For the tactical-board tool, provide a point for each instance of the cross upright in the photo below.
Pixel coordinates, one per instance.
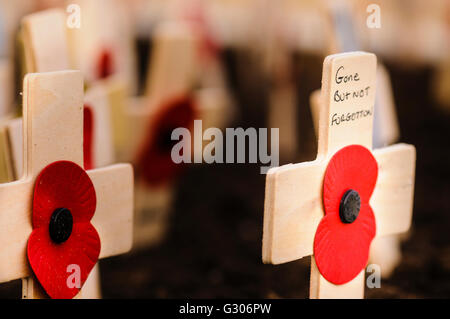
(333, 207)
(53, 138)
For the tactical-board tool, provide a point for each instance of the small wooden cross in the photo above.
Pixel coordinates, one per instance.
(385, 251)
(53, 131)
(172, 78)
(46, 46)
(103, 46)
(294, 205)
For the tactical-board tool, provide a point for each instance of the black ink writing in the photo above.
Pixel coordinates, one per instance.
(337, 119)
(344, 96)
(345, 77)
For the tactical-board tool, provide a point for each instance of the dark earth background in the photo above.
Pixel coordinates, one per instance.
(213, 248)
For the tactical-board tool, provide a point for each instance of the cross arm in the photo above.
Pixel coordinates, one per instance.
(113, 217)
(45, 41)
(15, 228)
(292, 211)
(392, 199)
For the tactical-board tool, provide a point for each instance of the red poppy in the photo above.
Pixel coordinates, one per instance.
(64, 246)
(88, 137)
(105, 64)
(344, 235)
(154, 162)
(195, 14)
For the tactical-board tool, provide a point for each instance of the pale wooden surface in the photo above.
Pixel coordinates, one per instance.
(386, 127)
(385, 116)
(283, 115)
(97, 97)
(6, 86)
(15, 137)
(290, 220)
(334, 137)
(106, 25)
(53, 118)
(172, 70)
(320, 288)
(392, 199)
(45, 41)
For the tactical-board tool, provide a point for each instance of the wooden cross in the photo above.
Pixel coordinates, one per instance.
(294, 205)
(52, 54)
(283, 99)
(103, 45)
(385, 251)
(53, 131)
(172, 73)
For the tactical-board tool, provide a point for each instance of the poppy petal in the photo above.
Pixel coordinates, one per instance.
(342, 250)
(352, 167)
(63, 184)
(154, 162)
(105, 64)
(88, 138)
(61, 267)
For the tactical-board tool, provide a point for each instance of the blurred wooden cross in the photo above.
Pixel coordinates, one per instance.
(333, 207)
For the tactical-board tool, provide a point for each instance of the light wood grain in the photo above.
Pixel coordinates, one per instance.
(97, 97)
(6, 86)
(392, 199)
(320, 288)
(333, 137)
(173, 64)
(45, 41)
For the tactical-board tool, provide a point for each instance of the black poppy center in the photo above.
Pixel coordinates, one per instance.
(61, 224)
(350, 206)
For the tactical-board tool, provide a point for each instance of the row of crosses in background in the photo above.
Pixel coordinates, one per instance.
(38, 60)
(51, 53)
(140, 125)
(334, 207)
(176, 92)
